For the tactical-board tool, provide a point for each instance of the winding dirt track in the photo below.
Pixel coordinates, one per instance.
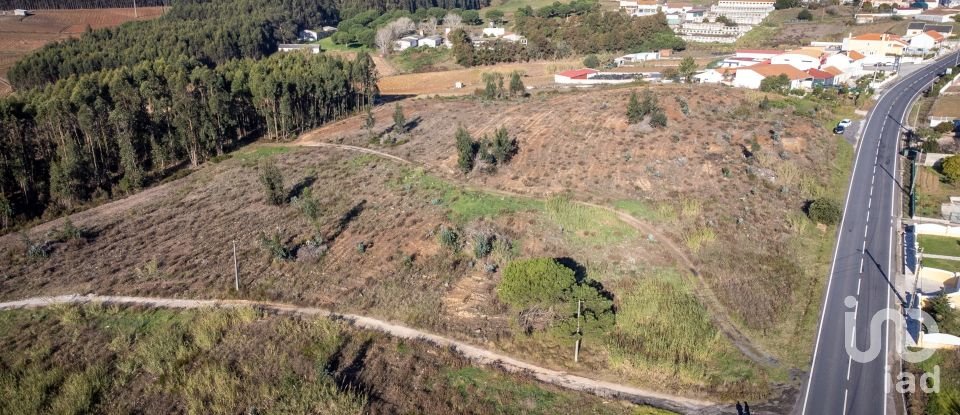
(703, 291)
(475, 354)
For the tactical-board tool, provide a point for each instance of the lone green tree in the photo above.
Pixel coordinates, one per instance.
(825, 210)
(272, 180)
(399, 120)
(531, 282)
(466, 150)
(517, 89)
(591, 61)
(805, 15)
(687, 68)
(634, 110)
(494, 15)
(950, 167)
(504, 147)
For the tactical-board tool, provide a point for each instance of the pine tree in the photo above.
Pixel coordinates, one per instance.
(399, 120)
(466, 150)
(635, 112)
(368, 121)
(517, 89)
(503, 146)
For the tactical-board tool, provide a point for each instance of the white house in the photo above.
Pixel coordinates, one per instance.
(22, 12)
(494, 31)
(406, 42)
(431, 41)
(515, 38)
(694, 15)
(937, 16)
(801, 59)
(710, 76)
(756, 54)
(307, 35)
(926, 41)
(299, 47)
(636, 57)
(752, 76)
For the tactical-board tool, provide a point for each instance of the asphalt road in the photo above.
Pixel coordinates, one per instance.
(863, 265)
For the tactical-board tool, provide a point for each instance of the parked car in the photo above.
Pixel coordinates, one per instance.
(844, 123)
(839, 129)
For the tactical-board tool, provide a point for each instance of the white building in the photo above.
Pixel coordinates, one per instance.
(515, 38)
(746, 12)
(925, 42)
(431, 41)
(711, 76)
(710, 32)
(636, 57)
(494, 31)
(406, 42)
(752, 76)
(22, 12)
(801, 59)
(298, 47)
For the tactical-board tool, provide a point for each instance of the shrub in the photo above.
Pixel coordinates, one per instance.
(538, 281)
(272, 181)
(591, 61)
(275, 247)
(825, 211)
(804, 15)
(449, 238)
(399, 120)
(658, 120)
(944, 127)
(309, 205)
(517, 89)
(482, 245)
(684, 107)
(634, 111)
(950, 167)
(504, 147)
(947, 318)
(69, 231)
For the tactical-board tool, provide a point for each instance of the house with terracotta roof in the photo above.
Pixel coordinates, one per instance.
(752, 76)
(926, 41)
(802, 59)
(876, 47)
(820, 78)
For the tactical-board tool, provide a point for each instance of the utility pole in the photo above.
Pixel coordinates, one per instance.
(135, 15)
(576, 349)
(236, 268)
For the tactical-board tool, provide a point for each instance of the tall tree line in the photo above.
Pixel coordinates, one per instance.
(109, 131)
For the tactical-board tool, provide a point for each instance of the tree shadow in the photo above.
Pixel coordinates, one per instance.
(386, 99)
(345, 220)
(580, 273)
(298, 188)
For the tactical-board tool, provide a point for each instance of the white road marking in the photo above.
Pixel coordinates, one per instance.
(845, 401)
(859, 280)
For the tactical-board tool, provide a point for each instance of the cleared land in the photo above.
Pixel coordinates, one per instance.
(720, 197)
(108, 359)
(933, 189)
(21, 35)
(536, 74)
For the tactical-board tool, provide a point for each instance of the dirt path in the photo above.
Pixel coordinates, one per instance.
(703, 292)
(478, 355)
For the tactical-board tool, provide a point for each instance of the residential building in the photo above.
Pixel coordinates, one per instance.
(917, 28)
(820, 78)
(430, 41)
(802, 59)
(925, 42)
(752, 76)
(938, 15)
(875, 44)
(640, 7)
(494, 31)
(695, 15)
(744, 12)
(406, 42)
(714, 76)
(567, 77)
(299, 47)
(636, 57)
(22, 12)
(756, 54)
(711, 32)
(513, 37)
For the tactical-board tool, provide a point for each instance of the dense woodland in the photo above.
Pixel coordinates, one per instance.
(97, 134)
(562, 30)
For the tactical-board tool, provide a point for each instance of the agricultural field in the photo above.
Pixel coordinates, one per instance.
(19, 35)
(536, 74)
(671, 219)
(108, 359)
(933, 189)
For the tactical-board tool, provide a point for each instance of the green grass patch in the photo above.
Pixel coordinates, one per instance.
(465, 205)
(661, 325)
(944, 264)
(940, 245)
(587, 224)
(420, 59)
(254, 154)
(327, 44)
